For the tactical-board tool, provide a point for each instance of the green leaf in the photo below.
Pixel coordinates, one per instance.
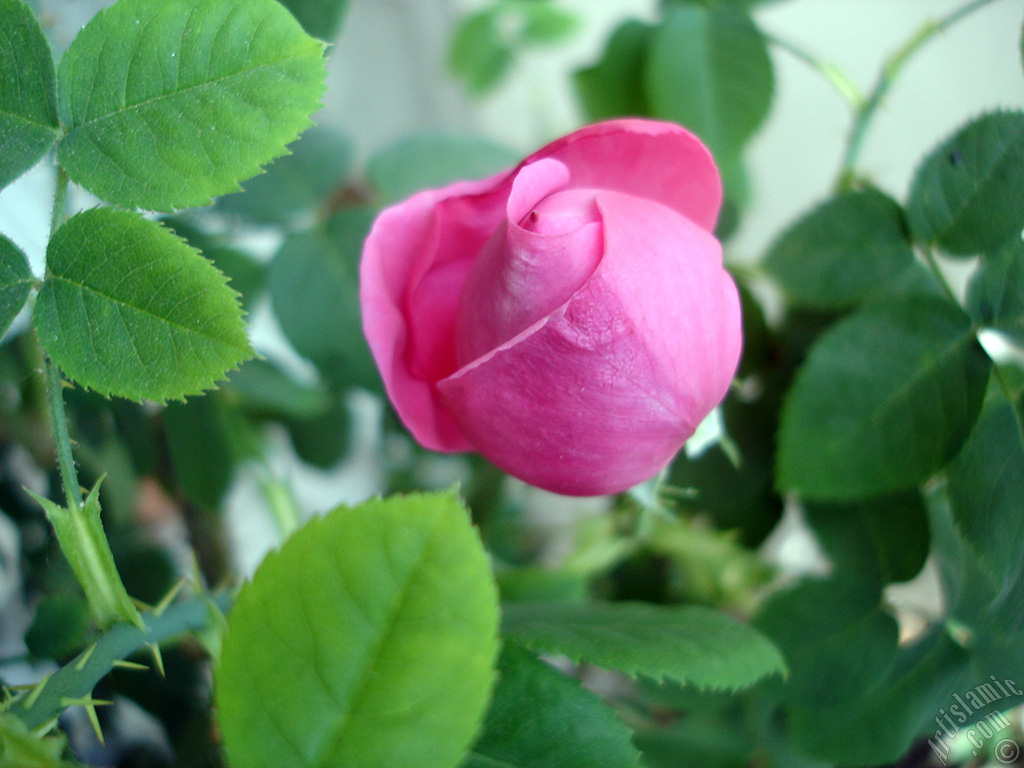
(479, 53)
(59, 629)
(369, 639)
(320, 18)
(266, 390)
(314, 286)
(541, 718)
(296, 184)
(28, 97)
(21, 749)
(995, 295)
(201, 452)
(15, 282)
(986, 487)
(839, 644)
(170, 104)
(609, 88)
(545, 22)
(841, 252)
(874, 541)
(426, 161)
(708, 69)
(900, 708)
(690, 644)
(965, 196)
(886, 397)
(128, 309)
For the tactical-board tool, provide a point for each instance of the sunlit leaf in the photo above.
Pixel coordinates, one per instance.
(885, 398)
(369, 639)
(28, 97)
(169, 104)
(966, 195)
(128, 309)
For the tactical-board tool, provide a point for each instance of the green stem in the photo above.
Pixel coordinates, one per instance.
(933, 264)
(78, 677)
(59, 424)
(846, 88)
(890, 70)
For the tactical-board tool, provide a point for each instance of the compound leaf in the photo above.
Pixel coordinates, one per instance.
(28, 96)
(995, 295)
(689, 644)
(15, 282)
(129, 309)
(170, 104)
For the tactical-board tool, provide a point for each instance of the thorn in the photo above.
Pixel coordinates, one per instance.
(123, 664)
(139, 604)
(168, 598)
(80, 664)
(158, 658)
(90, 704)
(33, 697)
(45, 728)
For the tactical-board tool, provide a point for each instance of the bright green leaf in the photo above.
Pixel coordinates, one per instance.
(426, 161)
(841, 252)
(689, 644)
(886, 398)
(169, 104)
(541, 718)
(708, 69)
(995, 295)
(314, 286)
(545, 22)
(986, 487)
(320, 18)
(21, 749)
(369, 639)
(479, 53)
(15, 282)
(875, 541)
(966, 195)
(28, 98)
(295, 184)
(128, 309)
(609, 88)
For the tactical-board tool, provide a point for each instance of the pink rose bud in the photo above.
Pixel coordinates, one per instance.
(569, 319)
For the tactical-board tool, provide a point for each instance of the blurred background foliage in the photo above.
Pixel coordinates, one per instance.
(884, 603)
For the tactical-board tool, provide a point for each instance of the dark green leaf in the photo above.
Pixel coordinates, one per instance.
(817, 625)
(708, 69)
(841, 252)
(315, 290)
(15, 282)
(876, 541)
(878, 727)
(369, 639)
(266, 390)
(28, 97)
(320, 18)
(479, 53)
(322, 440)
(610, 88)
(170, 104)
(886, 397)
(986, 487)
(689, 644)
(295, 184)
(200, 450)
(540, 718)
(128, 309)
(995, 295)
(966, 196)
(59, 629)
(426, 161)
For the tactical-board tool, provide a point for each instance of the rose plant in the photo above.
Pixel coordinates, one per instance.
(569, 319)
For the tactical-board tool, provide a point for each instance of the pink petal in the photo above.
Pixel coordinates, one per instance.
(602, 393)
(648, 158)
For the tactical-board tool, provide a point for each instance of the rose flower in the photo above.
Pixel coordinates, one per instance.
(569, 319)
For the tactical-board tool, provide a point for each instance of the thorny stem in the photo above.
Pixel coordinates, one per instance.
(846, 88)
(886, 78)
